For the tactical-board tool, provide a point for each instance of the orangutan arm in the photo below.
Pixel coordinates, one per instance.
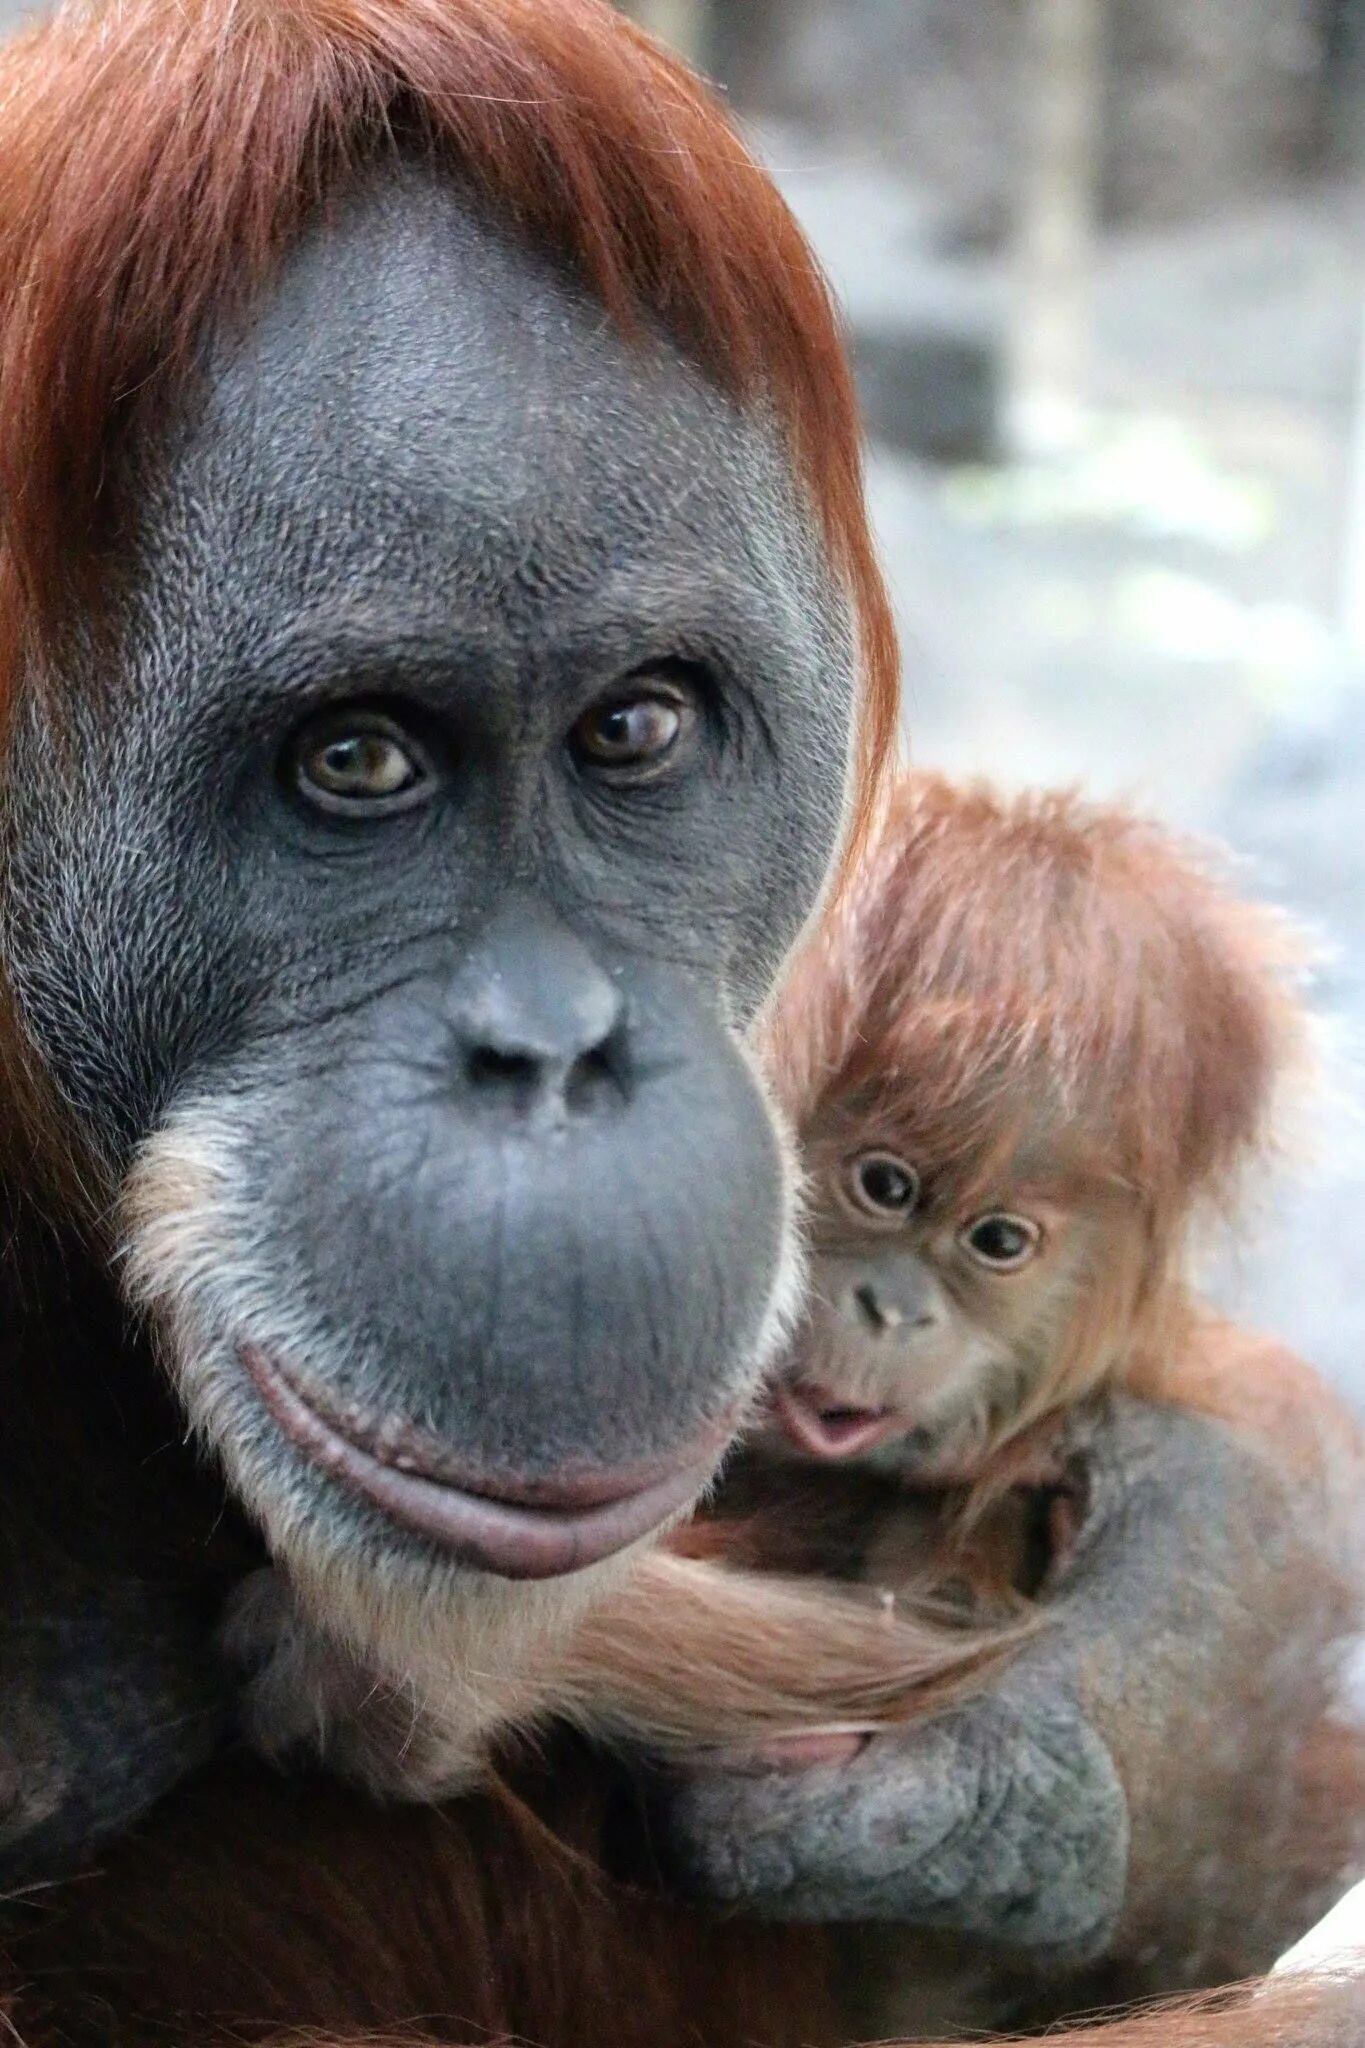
(1156, 1779)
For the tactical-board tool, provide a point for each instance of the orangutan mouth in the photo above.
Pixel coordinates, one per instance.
(823, 1425)
(541, 1529)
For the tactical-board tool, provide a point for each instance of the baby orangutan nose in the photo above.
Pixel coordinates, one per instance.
(879, 1312)
(890, 1299)
(540, 1028)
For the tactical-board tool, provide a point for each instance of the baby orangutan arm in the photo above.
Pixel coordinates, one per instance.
(1155, 1780)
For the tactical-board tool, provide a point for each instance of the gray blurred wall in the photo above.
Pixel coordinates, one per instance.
(1209, 100)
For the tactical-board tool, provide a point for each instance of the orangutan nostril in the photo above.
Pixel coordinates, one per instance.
(872, 1311)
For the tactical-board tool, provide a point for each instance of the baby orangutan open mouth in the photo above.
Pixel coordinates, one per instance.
(820, 1422)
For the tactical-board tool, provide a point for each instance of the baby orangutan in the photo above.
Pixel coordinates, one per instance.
(1035, 1048)
(1039, 1047)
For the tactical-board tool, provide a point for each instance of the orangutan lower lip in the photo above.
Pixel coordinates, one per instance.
(534, 1530)
(823, 1426)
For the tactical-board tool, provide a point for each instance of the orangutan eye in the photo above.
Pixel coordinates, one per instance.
(1002, 1242)
(360, 764)
(883, 1186)
(633, 734)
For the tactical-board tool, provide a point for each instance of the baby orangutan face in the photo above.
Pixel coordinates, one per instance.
(932, 1312)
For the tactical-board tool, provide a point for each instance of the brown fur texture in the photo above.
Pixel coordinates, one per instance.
(255, 1909)
(681, 1655)
(691, 1653)
(1004, 964)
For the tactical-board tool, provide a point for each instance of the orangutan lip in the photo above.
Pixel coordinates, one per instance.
(823, 1426)
(540, 1529)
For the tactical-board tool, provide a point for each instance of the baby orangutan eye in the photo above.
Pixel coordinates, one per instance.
(1002, 1242)
(882, 1186)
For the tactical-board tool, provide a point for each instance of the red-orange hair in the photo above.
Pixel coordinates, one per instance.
(159, 154)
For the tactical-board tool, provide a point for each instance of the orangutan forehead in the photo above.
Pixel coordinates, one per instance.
(426, 414)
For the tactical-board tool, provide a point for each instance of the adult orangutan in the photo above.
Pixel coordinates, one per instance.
(442, 663)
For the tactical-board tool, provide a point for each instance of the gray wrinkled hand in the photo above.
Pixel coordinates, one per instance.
(1004, 1818)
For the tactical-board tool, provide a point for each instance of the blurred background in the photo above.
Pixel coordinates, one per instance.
(1103, 263)
(1104, 269)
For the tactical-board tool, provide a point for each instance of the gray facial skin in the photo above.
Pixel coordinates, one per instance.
(480, 1172)
(428, 477)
